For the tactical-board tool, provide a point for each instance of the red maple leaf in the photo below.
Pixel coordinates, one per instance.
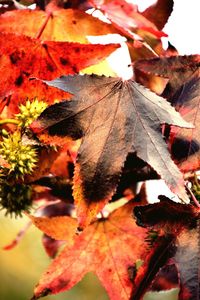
(108, 247)
(45, 60)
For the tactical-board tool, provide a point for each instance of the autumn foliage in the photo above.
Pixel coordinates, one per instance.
(77, 141)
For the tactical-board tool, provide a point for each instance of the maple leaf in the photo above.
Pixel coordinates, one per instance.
(108, 247)
(143, 37)
(159, 12)
(114, 118)
(181, 222)
(45, 60)
(72, 25)
(54, 24)
(125, 17)
(57, 24)
(182, 91)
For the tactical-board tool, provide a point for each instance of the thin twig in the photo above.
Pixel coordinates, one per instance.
(9, 121)
(18, 238)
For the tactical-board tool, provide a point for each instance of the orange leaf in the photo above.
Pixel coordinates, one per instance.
(108, 247)
(45, 60)
(63, 24)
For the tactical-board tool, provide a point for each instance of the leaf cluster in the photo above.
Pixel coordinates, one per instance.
(76, 141)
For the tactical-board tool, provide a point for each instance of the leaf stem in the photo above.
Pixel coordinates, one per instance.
(196, 202)
(9, 121)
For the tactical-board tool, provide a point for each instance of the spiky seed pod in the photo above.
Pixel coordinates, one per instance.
(30, 111)
(15, 198)
(21, 158)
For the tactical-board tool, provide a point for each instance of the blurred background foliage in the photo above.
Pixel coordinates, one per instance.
(21, 267)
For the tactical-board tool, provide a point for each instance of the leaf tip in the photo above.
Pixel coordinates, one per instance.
(34, 298)
(43, 293)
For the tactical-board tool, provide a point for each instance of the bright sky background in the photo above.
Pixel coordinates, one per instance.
(183, 26)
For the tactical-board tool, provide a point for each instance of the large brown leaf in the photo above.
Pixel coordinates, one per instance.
(114, 118)
(22, 57)
(108, 247)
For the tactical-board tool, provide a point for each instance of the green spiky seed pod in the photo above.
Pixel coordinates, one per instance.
(21, 158)
(15, 198)
(30, 111)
